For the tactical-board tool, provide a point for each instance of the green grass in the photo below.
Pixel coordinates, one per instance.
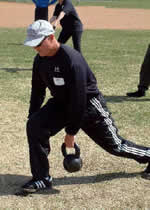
(115, 52)
(105, 182)
(141, 4)
(144, 4)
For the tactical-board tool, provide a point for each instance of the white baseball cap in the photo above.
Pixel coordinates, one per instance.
(37, 31)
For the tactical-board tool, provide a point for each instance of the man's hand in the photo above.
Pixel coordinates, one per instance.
(69, 140)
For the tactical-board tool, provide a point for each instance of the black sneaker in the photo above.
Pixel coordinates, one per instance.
(138, 93)
(146, 173)
(34, 185)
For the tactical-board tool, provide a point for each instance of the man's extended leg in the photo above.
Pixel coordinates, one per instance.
(99, 126)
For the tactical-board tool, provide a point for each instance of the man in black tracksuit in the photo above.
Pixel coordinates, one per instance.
(144, 81)
(70, 22)
(76, 104)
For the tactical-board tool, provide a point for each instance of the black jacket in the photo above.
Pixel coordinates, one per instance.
(70, 81)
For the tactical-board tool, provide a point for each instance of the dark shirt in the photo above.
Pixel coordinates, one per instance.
(71, 19)
(70, 81)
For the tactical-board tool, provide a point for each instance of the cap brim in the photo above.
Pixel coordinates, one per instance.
(33, 42)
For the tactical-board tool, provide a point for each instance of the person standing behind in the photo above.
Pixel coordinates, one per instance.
(41, 10)
(144, 80)
(66, 14)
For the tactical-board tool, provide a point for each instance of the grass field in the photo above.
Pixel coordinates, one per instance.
(105, 182)
(142, 4)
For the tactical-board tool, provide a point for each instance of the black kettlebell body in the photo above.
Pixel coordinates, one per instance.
(72, 162)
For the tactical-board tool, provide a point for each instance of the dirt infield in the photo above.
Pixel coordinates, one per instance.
(21, 15)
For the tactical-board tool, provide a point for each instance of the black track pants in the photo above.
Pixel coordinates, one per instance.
(41, 125)
(76, 38)
(97, 124)
(100, 127)
(145, 71)
(41, 13)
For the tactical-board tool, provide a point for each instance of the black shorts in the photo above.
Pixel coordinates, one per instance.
(41, 13)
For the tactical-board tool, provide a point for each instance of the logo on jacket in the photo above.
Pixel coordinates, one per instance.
(56, 69)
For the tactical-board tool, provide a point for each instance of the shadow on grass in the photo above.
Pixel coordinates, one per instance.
(10, 183)
(93, 179)
(120, 99)
(19, 44)
(13, 70)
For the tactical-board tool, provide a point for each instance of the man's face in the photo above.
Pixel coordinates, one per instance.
(45, 47)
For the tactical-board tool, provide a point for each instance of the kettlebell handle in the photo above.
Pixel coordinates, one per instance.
(76, 147)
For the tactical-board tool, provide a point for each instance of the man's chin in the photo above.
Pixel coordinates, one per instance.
(41, 55)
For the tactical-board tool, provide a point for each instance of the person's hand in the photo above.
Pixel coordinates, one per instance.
(69, 140)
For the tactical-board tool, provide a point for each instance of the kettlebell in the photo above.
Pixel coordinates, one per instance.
(72, 162)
